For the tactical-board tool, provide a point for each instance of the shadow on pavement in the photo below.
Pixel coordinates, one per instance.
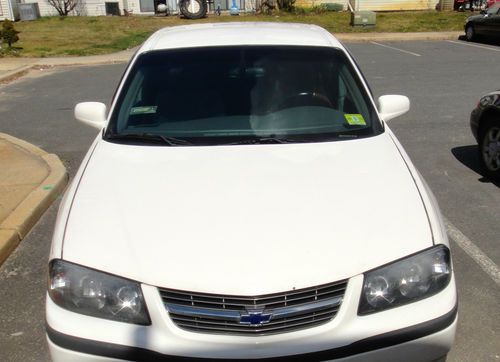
(468, 156)
(482, 40)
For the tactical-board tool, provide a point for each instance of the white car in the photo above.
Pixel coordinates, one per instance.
(246, 200)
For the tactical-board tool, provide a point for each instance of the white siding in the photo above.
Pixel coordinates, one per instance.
(135, 7)
(85, 8)
(96, 7)
(91, 8)
(394, 5)
(45, 8)
(310, 3)
(3, 9)
(5, 14)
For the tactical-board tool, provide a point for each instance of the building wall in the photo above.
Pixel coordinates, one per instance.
(135, 7)
(3, 9)
(96, 7)
(376, 5)
(91, 8)
(5, 14)
(85, 8)
(311, 3)
(45, 8)
(394, 5)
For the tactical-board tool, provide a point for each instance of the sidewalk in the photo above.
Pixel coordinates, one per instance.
(11, 68)
(30, 180)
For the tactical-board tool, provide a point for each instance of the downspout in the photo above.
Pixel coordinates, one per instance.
(355, 7)
(349, 5)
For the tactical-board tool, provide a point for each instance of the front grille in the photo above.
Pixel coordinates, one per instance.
(259, 315)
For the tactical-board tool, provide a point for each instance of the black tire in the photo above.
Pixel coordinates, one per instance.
(489, 147)
(470, 32)
(193, 9)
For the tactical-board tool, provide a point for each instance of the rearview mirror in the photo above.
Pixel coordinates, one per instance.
(91, 113)
(392, 106)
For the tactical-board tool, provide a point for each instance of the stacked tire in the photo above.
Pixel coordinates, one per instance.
(193, 9)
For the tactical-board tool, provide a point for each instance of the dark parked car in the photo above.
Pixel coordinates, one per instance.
(485, 125)
(485, 24)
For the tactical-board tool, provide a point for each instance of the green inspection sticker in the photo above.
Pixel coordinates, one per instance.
(143, 110)
(355, 119)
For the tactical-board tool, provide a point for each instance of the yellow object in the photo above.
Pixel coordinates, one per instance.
(355, 119)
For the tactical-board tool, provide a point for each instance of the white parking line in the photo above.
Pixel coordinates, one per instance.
(474, 45)
(473, 251)
(400, 50)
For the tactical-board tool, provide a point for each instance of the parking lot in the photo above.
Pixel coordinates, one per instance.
(443, 79)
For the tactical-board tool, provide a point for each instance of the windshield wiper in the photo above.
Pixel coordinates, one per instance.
(149, 137)
(266, 140)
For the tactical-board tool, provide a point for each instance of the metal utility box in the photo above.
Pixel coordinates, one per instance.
(363, 18)
(29, 11)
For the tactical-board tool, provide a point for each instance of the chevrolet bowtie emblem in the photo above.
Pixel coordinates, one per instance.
(255, 317)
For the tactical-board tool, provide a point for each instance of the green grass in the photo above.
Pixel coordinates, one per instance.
(78, 36)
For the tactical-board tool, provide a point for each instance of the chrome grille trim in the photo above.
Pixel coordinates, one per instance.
(281, 312)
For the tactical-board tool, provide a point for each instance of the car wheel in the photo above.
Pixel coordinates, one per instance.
(489, 148)
(193, 9)
(470, 33)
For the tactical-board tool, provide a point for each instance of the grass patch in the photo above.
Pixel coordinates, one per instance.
(78, 36)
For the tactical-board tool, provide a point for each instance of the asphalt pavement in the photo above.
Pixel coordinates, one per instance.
(443, 79)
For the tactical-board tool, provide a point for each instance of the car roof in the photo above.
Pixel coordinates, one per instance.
(239, 33)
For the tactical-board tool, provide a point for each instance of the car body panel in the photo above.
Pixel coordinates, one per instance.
(212, 209)
(346, 328)
(253, 33)
(489, 102)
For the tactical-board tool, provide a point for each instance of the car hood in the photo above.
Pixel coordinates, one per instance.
(245, 220)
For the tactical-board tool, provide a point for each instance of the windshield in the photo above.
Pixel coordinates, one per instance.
(493, 10)
(223, 95)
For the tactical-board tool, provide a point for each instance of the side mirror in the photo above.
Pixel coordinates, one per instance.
(91, 113)
(392, 106)
(482, 12)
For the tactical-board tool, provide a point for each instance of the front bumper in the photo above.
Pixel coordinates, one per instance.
(474, 122)
(419, 331)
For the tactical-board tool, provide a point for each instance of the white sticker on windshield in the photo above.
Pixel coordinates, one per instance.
(143, 110)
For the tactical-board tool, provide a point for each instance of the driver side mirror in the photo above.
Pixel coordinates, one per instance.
(91, 113)
(392, 106)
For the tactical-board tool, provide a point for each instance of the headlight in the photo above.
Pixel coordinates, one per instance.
(406, 281)
(96, 294)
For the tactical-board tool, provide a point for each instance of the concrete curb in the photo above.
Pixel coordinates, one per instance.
(20, 221)
(367, 37)
(16, 73)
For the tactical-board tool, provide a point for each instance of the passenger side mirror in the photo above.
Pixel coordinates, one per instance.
(392, 106)
(91, 113)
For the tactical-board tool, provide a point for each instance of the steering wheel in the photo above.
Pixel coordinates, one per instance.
(305, 99)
